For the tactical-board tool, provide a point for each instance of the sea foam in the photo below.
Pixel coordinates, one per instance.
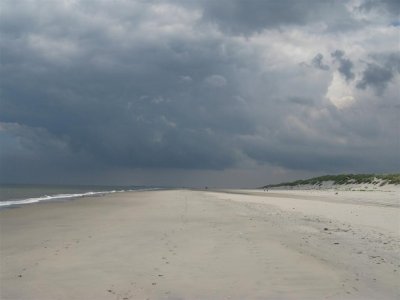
(54, 197)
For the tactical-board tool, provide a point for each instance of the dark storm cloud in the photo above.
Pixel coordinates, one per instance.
(89, 85)
(379, 75)
(376, 77)
(246, 17)
(317, 62)
(124, 104)
(314, 150)
(390, 6)
(253, 15)
(345, 64)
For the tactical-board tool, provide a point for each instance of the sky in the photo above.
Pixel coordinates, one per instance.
(227, 93)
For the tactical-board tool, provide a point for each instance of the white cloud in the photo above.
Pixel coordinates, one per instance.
(340, 93)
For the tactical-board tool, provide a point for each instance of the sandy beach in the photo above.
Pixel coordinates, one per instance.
(187, 244)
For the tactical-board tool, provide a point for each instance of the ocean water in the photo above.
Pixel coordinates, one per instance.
(17, 194)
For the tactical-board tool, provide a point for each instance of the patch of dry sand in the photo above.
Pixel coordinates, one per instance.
(183, 244)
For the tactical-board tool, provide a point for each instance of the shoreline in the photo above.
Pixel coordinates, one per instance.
(193, 244)
(12, 203)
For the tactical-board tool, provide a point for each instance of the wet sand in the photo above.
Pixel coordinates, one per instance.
(182, 244)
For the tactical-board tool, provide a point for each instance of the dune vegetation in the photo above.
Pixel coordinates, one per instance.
(380, 179)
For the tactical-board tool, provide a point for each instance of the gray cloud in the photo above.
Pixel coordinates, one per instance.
(378, 75)
(390, 6)
(216, 80)
(160, 123)
(96, 87)
(317, 62)
(345, 64)
(246, 17)
(375, 76)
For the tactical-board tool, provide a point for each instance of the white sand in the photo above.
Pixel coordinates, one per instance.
(204, 245)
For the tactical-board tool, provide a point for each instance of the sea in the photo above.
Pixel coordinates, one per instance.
(18, 194)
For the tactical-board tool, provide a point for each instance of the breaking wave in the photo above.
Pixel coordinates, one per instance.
(55, 197)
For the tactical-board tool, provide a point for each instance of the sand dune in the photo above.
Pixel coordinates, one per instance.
(183, 244)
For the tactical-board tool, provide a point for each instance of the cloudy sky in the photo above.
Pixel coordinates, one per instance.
(185, 93)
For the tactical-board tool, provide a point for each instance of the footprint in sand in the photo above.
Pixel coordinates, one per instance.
(111, 291)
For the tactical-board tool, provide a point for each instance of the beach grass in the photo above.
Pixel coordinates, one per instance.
(341, 179)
